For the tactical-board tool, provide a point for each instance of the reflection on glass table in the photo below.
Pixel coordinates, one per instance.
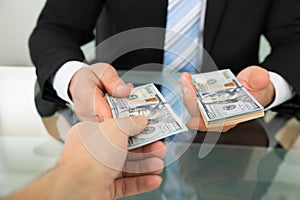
(240, 166)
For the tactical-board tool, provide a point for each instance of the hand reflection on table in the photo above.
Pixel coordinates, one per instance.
(220, 175)
(236, 168)
(227, 172)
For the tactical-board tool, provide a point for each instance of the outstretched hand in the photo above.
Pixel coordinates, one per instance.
(88, 87)
(255, 79)
(100, 153)
(95, 164)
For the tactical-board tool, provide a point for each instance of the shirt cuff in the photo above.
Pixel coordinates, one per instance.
(283, 90)
(63, 77)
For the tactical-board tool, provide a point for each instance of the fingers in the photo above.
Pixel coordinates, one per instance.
(101, 106)
(156, 149)
(191, 104)
(189, 95)
(186, 77)
(145, 160)
(111, 81)
(83, 88)
(198, 123)
(88, 87)
(146, 166)
(136, 185)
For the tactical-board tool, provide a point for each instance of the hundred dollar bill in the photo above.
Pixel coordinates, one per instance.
(146, 100)
(223, 100)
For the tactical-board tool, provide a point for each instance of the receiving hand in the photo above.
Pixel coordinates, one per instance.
(88, 87)
(95, 164)
(255, 79)
(100, 152)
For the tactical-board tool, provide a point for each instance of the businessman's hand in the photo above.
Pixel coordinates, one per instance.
(255, 79)
(95, 164)
(88, 87)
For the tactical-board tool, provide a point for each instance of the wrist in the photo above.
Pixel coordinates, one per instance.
(63, 76)
(270, 95)
(283, 91)
(94, 177)
(71, 86)
(42, 189)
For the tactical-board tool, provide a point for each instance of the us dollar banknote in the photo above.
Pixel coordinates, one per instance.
(223, 100)
(146, 100)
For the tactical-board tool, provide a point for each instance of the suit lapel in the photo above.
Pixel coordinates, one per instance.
(214, 13)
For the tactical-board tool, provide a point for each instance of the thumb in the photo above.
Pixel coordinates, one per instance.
(107, 141)
(117, 131)
(127, 126)
(254, 78)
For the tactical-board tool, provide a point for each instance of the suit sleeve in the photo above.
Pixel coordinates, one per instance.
(63, 26)
(283, 32)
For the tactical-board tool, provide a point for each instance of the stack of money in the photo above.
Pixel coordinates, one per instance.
(147, 100)
(223, 100)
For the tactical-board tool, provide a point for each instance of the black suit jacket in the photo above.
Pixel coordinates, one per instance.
(231, 34)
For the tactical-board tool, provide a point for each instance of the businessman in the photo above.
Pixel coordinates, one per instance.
(83, 173)
(228, 29)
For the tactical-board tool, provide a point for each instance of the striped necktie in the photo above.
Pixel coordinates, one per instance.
(182, 35)
(181, 44)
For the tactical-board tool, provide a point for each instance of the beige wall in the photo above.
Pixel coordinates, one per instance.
(17, 19)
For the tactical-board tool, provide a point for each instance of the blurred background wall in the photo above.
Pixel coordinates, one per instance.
(17, 20)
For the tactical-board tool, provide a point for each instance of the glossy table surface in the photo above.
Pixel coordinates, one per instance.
(241, 165)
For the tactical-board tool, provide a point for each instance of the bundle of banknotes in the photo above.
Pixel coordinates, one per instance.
(223, 100)
(147, 100)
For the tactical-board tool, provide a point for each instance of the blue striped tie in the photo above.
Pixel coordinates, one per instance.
(183, 18)
(181, 42)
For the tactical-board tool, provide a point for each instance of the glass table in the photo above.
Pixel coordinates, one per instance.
(242, 165)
